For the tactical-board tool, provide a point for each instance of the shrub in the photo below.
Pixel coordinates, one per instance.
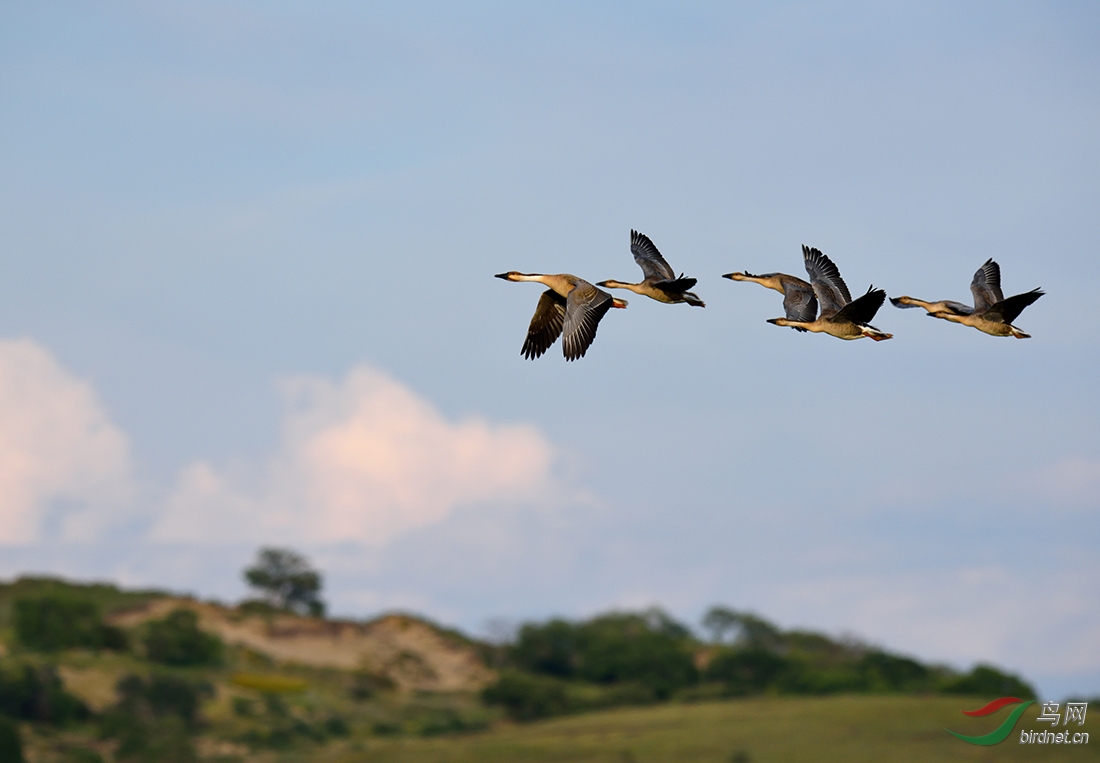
(53, 622)
(153, 718)
(647, 649)
(177, 640)
(528, 697)
(745, 671)
(985, 680)
(11, 743)
(35, 693)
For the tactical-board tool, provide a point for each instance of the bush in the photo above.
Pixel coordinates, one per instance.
(987, 681)
(528, 697)
(647, 649)
(53, 622)
(35, 693)
(745, 671)
(11, 743)
(177, 640)
(153, 718)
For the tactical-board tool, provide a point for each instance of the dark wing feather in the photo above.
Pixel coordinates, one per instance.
(545, 326)
(1010, 309)
(986, 286)
(651, 262)
(861, 311)
(677, 285)
(825, 278)
(584, 308)
(799, 301)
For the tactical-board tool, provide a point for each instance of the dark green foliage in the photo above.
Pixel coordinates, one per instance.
(80, 755)
(11, 743)
(892, 673)
(987, 681)
(741, 628)
(745, 671)
(280, 728)
(552, 648)
(154, 717)
(106, 597)
(53, 622)
(287, 581)
(528, 697)
(648, 649)
(35, 693)
(177, 640)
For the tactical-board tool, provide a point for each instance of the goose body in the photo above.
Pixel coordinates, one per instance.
(660, 281)
(570, 306)
(841, 316)
(799, 301)
(991, 314)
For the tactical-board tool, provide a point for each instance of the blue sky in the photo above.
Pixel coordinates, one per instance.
(246, 297)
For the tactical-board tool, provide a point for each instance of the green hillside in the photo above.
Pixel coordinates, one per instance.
(91, 673)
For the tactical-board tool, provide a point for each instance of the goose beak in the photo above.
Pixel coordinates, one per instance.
(616, 302)
(501, 275)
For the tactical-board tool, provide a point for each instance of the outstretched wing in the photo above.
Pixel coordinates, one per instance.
(1010, 309)
(861, 311)
(584, 308)
(799, 300)
(986, 286)
(651, 262)
(825, 279)
(545, 326)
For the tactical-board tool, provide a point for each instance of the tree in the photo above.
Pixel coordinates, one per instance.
(286, 581)
(742, 628)
(177, 640)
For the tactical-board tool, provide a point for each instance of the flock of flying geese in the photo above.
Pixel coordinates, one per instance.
(572, 307)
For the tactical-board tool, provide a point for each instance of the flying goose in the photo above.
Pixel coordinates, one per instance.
(660, 282)
(992, 313)
(571, 306)
(798, 296)
(841, 316)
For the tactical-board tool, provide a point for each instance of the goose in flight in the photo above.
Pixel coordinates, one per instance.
(992, 313)
(799, 301)
(571, 306)
(660, 282)
(841, 316)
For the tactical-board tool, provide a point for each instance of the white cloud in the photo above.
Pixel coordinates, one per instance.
(61, 459)
(364, 460)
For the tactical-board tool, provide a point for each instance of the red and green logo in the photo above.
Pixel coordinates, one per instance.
(1000, 733)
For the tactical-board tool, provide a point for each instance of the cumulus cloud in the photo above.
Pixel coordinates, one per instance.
(64, 468)
(362, 460)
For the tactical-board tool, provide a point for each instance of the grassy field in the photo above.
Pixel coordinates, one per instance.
(847, 728)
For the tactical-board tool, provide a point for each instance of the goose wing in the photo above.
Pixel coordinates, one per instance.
(825, 279)
(799, 300)
(677, 285)
(986, 286)
(651, 262)
(1009, 309)
(861, 311)
(545, 326)
(584, 308)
